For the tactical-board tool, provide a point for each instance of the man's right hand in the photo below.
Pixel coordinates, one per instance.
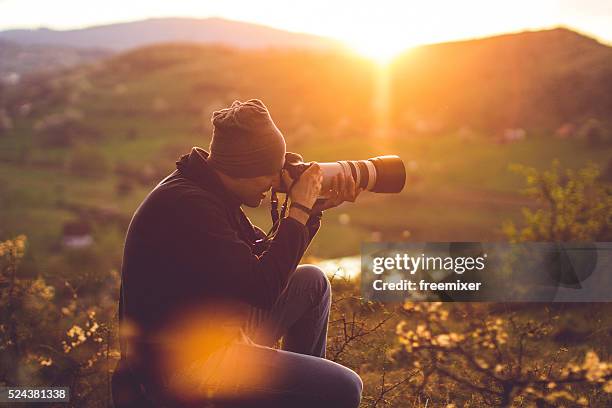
(308, 188)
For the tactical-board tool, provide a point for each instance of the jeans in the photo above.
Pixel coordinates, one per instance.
(250, 373)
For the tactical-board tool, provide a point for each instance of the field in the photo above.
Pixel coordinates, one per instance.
(86, 145)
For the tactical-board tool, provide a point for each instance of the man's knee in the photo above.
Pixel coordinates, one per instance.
(312, 277)
(348, 388)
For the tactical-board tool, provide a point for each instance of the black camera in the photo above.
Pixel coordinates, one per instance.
(382, 174)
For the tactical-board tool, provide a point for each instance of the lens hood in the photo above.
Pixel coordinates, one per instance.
(390, 174)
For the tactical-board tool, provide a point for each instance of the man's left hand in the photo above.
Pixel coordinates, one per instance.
(342, 189)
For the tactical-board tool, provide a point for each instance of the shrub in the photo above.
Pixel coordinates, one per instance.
(51, 336)
(89, 162)
(494, 361)
(63, 129)
(594, 133)
(574, 206)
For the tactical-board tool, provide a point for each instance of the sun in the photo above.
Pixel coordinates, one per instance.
(382, 51)
(381, 43)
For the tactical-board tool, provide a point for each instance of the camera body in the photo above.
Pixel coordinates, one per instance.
(381, 174)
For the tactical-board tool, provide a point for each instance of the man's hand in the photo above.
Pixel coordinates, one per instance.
(342, 189)
(305, 191)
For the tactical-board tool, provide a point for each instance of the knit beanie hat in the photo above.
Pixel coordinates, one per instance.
(246, 142)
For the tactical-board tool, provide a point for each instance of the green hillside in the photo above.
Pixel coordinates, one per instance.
(86, 145)
(81, 148)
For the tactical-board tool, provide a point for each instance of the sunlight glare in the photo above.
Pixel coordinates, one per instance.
(382, 51)
(380, 42)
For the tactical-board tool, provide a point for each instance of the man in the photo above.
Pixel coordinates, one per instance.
(205, 294)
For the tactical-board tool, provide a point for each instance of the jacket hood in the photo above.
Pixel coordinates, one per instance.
(195, 167)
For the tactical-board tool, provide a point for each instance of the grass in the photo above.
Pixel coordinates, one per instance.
(457, 188)
(465, 195)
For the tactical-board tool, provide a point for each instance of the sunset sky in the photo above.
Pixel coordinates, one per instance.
(380, 27)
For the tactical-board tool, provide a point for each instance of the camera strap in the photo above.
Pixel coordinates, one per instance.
(274, 213)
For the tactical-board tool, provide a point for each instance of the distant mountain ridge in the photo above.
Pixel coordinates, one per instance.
(124, 36)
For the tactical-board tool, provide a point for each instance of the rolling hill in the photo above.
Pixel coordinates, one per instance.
(89, 142)
(539, 79)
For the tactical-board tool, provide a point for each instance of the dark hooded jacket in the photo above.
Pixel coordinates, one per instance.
(190, 244)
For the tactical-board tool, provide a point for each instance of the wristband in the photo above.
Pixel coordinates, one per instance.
(301, 208)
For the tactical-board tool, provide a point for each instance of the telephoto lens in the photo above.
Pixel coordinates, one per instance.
(381, 174)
